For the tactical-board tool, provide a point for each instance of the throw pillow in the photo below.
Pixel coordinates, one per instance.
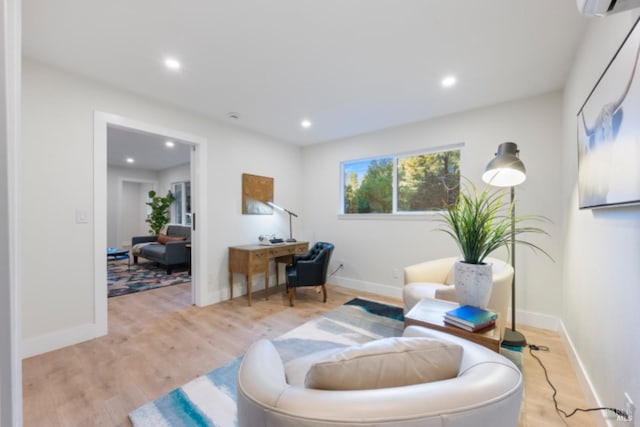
(388, 362)
(163, 239)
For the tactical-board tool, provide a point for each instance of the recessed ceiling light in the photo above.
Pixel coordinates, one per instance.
(305, 124)
(172, 63)
(130, 160)
(169, 144)
(233, 115)
(448, 81)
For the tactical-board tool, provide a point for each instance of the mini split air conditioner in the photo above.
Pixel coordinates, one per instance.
(605, 7)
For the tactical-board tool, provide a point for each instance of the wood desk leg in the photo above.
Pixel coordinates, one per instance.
(266, 285)
(249, 288)
(230, 284)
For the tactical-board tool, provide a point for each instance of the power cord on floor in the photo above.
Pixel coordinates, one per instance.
(619, 412)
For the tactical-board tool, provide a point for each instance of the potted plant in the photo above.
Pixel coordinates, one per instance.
(159, 216)
(480, 223)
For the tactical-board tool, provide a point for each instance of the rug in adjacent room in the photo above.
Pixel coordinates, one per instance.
(210, 400)
(123, 280)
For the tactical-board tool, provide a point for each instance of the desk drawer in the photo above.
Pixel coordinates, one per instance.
(288, 250)
(259, 260)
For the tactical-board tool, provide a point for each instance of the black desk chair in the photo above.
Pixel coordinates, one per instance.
(310, 269)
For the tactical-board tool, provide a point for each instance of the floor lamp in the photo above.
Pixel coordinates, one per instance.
(291, 214)
(507, 170)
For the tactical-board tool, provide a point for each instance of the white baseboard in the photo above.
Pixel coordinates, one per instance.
(537, 320)
(593, 399)
(376, 288)
(58, 339)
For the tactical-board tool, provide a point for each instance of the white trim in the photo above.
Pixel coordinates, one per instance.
(200, 271)
(200, 247)
(593, 399)
(360, 285)
(59, 339)
(10, 294)
(537, 320)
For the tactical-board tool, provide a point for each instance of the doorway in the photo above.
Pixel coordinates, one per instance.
(102, 122)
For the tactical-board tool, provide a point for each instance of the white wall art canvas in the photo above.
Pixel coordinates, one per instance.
(609, 132)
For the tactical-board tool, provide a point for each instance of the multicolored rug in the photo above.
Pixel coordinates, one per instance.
(122, 280)
(210, 400)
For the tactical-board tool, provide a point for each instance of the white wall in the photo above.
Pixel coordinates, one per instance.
(119, 211)
(170, 176)
(372, 248)
(132, 212)
(56, 174)
(601, 275)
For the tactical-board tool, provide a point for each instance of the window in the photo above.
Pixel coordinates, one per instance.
(411, 183)
(182, 204)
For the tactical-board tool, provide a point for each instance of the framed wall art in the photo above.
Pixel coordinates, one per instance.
(256, 192)
(609, 132)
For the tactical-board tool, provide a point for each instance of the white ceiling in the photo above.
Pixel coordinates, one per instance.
(148, 150)
(349, 66)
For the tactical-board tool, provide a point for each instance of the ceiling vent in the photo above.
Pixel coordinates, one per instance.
(605, 7)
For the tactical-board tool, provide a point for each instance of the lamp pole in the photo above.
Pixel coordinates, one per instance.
(511, 336)
(291, 214)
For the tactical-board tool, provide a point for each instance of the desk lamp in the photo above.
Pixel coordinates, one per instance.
(291, 214)
(507, 170)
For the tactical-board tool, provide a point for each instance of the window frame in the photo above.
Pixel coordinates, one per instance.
(394, 214)
(185, 219)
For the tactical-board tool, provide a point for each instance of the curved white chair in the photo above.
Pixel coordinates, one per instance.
(486, 392)
(434, 279)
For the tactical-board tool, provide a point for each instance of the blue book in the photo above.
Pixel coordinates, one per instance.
(471, 316)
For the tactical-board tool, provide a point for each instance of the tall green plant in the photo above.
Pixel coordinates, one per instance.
(159, 216)
(480, 223)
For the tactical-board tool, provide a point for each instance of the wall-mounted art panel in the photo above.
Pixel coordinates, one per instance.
(256, 192)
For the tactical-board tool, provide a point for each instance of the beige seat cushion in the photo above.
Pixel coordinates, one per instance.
(388, 362)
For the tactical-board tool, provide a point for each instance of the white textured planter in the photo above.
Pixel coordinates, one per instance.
(473, 283)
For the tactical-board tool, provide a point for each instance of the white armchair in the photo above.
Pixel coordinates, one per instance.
(487, 391)
(434, 279)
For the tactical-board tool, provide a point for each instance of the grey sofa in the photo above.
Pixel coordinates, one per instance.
(168, 254)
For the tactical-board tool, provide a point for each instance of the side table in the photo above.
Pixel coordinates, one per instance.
(429, 313)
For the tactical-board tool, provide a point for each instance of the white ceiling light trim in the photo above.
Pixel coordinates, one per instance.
(305, 123)
(169, 144)
(130, 160)
(172, 64)
(449, 81)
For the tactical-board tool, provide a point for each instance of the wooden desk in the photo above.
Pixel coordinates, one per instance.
(429, 313)
(254, 259)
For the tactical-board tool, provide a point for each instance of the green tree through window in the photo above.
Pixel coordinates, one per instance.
(428, 182)
(368, 186)
(425, 182)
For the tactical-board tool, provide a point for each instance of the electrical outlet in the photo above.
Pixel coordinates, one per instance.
(629, 408)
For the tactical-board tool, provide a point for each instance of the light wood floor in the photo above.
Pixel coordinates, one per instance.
(158, 341)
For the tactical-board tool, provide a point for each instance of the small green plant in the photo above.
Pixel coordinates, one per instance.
(480, 223)
(159, 216)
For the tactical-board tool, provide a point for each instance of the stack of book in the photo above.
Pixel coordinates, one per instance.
(470, 318)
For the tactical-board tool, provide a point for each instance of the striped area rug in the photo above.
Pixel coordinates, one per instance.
(210, 400)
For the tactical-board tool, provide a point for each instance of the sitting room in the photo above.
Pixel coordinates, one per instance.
(369, 119)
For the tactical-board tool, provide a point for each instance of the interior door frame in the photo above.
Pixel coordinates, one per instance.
(199, 249)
